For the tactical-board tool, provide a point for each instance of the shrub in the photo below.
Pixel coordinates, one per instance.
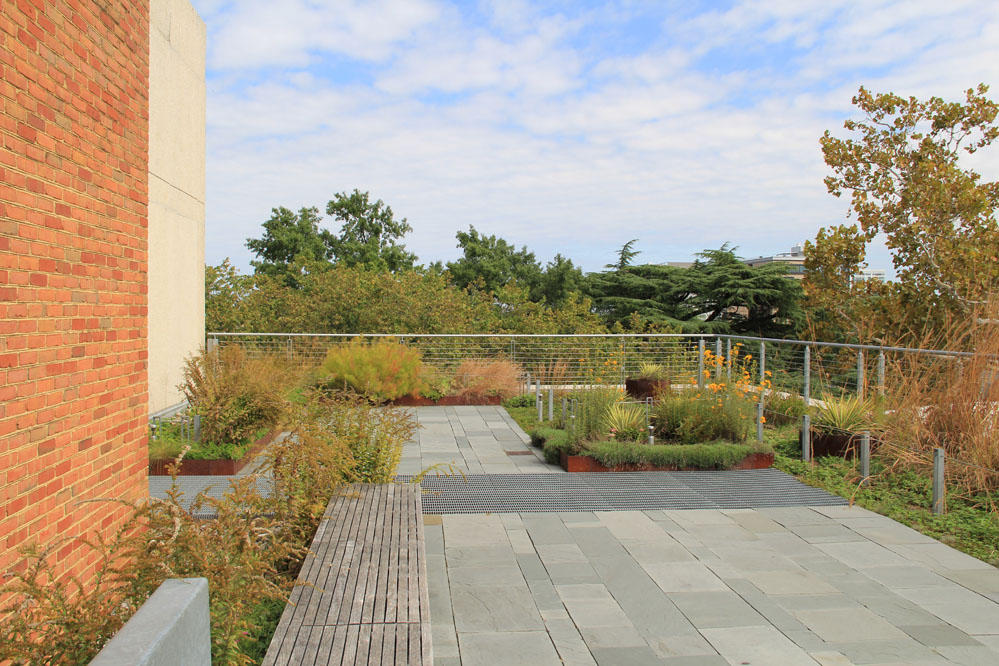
(592, 406)
(692, 417)
(477, 378)
(785, 408)
(652, 372)
(716, 455)
(848, 414)
(379, 371)
(249, 553)
(625, 422)
(374, 436)
(552, 441)
(436, 383)
(234, 394)
(522, 400)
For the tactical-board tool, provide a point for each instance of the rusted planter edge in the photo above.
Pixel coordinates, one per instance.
(445, 401)
(214, 467)
(755, 460)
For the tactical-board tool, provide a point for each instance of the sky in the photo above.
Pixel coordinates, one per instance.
(568, 127)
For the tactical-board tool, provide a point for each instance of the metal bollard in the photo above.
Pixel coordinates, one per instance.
(806, 438)
(938, 482)
(865, 457)
(197, 427)
(759, 420)
(551, 404)
(718, 353)
(564, 401)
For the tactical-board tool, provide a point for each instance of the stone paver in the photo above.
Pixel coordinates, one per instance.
(824, 585)
(658, 587)
(473, 439)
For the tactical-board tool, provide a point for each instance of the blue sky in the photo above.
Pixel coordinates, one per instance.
(569, 127)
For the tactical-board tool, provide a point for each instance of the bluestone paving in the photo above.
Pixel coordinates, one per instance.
(788, 585)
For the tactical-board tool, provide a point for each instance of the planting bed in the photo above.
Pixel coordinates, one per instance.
(571, 463)
(213, 467)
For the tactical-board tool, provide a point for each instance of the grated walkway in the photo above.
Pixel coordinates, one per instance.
(626, 491)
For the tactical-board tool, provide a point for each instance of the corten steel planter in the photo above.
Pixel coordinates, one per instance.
(587, 464)
(445, 401)
(645, 388)
(213, 467)
(830, 444)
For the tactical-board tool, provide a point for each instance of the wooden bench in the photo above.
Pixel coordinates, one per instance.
(361, 596)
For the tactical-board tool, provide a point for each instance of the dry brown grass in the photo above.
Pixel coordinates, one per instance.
(554, 373)
(476, 378)
(951, 404)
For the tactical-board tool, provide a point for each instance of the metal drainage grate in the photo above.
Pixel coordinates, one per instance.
(624, 491)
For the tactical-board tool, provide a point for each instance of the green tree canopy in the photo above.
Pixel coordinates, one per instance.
(718, 294)
(904, 169)
(369, 234)
(287, 236)
(490, 263)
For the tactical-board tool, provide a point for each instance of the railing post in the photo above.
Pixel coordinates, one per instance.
(806, 438)
(806, 394)
(718, 353)
(938, 482)
(624, 360)
(881, 373)
(700, 363)
(759, 419)
(551, 403)
(728, 360)
(865, 457)
(860, 373)
(763, 361)
(564, 422)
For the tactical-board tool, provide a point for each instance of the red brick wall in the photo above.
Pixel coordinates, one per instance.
(74, 79)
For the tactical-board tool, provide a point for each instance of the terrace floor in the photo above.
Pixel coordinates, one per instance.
(829, 585)
(817, 583)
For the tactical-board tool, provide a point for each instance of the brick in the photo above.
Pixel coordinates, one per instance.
(73, 197)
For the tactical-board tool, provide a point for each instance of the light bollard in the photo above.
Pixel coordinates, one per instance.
(806, 438)
(865, 457)
(759, 420)
(551, 404)
(938, 482)
(564, 401)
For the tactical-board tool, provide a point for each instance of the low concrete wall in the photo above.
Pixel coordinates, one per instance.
(173, 627)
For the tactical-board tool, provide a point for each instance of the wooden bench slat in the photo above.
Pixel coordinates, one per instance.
(361, 593)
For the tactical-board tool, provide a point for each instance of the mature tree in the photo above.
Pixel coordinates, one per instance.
(625, 256)
(907, 181)
(287, 236)
(490, 263)
(719, 293)
(560, 280)
(369, 234)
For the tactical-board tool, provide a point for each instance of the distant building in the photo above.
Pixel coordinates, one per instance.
(873, 274)
(794, 260)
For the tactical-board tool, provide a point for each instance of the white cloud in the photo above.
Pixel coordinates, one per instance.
(541, 128)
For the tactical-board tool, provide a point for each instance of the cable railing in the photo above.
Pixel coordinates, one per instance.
(808, 368)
